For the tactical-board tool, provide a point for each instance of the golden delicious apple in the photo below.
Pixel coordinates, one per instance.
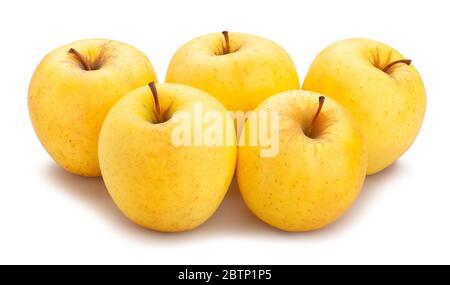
(381, 89)
(240, 70)
(157, 182)
(319, 170)
(73, 89)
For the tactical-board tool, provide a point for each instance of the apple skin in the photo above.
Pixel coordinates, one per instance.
(154, 183)
(68, 104)
(312, 181)
(389, 106)
(255, 69)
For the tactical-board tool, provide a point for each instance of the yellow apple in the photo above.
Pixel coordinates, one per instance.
(73, 89)
(240, 70)
(381, 89)
(319, 170)
(155, 182)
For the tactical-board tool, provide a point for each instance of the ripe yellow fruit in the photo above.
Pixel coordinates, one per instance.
(73, 89)
(381, 89)
(240, 70)
(318, 172)
(154, 182)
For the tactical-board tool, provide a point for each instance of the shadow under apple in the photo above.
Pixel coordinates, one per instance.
(89, 190)
(231, 218)
(374, 185)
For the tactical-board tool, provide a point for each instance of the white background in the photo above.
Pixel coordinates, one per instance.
(50, 216)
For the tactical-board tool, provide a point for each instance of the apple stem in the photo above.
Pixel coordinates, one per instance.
(156, 100)
(227, 42)
(405, 61)
(319, 108)
(80, 58)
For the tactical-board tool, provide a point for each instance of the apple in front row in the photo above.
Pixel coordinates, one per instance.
(319, 170)
(380, 88)
(73, 89)
(240, 70)
(155, 182)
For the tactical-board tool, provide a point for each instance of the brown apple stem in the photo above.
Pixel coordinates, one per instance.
(80, 58)
(319, 108)
(405, 61)
(158, 112)
(227, 42)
